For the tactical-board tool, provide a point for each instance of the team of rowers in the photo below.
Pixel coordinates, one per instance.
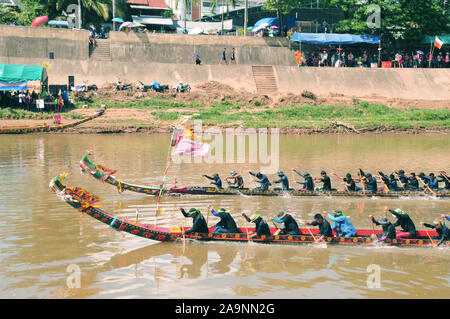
(342, 226)
(396, 181)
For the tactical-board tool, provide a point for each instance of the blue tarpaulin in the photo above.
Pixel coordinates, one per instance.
(334, 38)
(13, 86)
(274, 21)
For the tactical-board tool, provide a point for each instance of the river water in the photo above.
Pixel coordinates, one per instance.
(44, 242)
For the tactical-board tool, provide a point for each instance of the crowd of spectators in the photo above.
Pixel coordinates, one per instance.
(28, 100)
(349, 58)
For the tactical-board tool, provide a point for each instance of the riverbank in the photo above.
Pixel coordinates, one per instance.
(219, 105)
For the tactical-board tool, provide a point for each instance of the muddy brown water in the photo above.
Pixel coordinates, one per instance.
(44, 242)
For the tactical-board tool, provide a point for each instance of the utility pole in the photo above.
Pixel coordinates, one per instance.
(114, 14)
(79, 14)
(245, 17)
(221, 33)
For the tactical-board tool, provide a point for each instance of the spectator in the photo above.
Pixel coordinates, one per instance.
(233, 56)
(351, 62)
(224, 56)
(447, 60)
(298, 58)
(440, 60)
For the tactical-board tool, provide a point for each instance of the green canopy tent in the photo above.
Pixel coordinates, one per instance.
(430, 38)
(16, 73)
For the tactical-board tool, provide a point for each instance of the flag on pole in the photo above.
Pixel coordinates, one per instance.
(438, 43)
(186, 146)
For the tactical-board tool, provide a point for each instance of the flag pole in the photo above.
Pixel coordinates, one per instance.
(169, 160)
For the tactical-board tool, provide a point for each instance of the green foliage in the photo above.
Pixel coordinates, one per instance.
(404, 19)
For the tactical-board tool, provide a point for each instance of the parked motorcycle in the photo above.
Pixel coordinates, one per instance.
(120, 87)
(143, 88)
(159, 88)
(84, 87)
(179, 87)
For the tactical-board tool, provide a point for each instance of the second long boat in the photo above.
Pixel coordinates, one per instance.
(105, 174)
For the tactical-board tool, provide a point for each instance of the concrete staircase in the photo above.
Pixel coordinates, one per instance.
(265, 80)
(102, 50)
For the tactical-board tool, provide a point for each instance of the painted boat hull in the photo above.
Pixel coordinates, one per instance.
(105, 174)
(46, 129)
(85, 203)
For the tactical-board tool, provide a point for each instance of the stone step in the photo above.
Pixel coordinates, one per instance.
(265, 79)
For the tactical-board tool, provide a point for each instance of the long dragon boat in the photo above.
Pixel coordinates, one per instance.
(47, 128)
(105, 174)
(85, 202)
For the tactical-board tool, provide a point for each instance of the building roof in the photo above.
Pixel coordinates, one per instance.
(148, 4)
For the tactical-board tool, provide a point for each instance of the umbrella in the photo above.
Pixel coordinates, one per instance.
(117, 20)
(420, 52)
(39, 21)
(260, 27)
(126, 25)
(274, 27)
(137, 24)
(194, 55)
(58, 23)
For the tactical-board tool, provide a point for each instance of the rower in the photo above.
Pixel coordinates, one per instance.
(371, 183)
(444, 178)
(216, 181)
(390, 181)
(290, 225)
(343, 227)
(325, 179)
(198, 224)
(403, 220)
(433, 183)
(348, 182)
(425, 179)
(402, 177)
(283, 180)
(441, 229)
(308, 184)
(324, 226)
(413, 182)
(226, 223)
(235, 180)
(261, 226)
(263, 181)
(388, 228)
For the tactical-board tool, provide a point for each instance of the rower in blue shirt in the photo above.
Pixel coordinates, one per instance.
(290, 225)
(433, 183)
(226, 223)
(216, 181)
(343, 227)
(283, 180)
(262, 180)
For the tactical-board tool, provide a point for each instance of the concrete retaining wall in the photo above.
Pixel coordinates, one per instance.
(424, 84)
(166, 58)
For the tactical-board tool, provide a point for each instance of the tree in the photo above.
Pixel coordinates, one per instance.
(282, 7)
(186, 4)
(214, 4)
(400, 19)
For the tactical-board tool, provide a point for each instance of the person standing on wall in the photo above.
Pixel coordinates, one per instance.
(224, 56)
(233, 56)
(298, 57)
